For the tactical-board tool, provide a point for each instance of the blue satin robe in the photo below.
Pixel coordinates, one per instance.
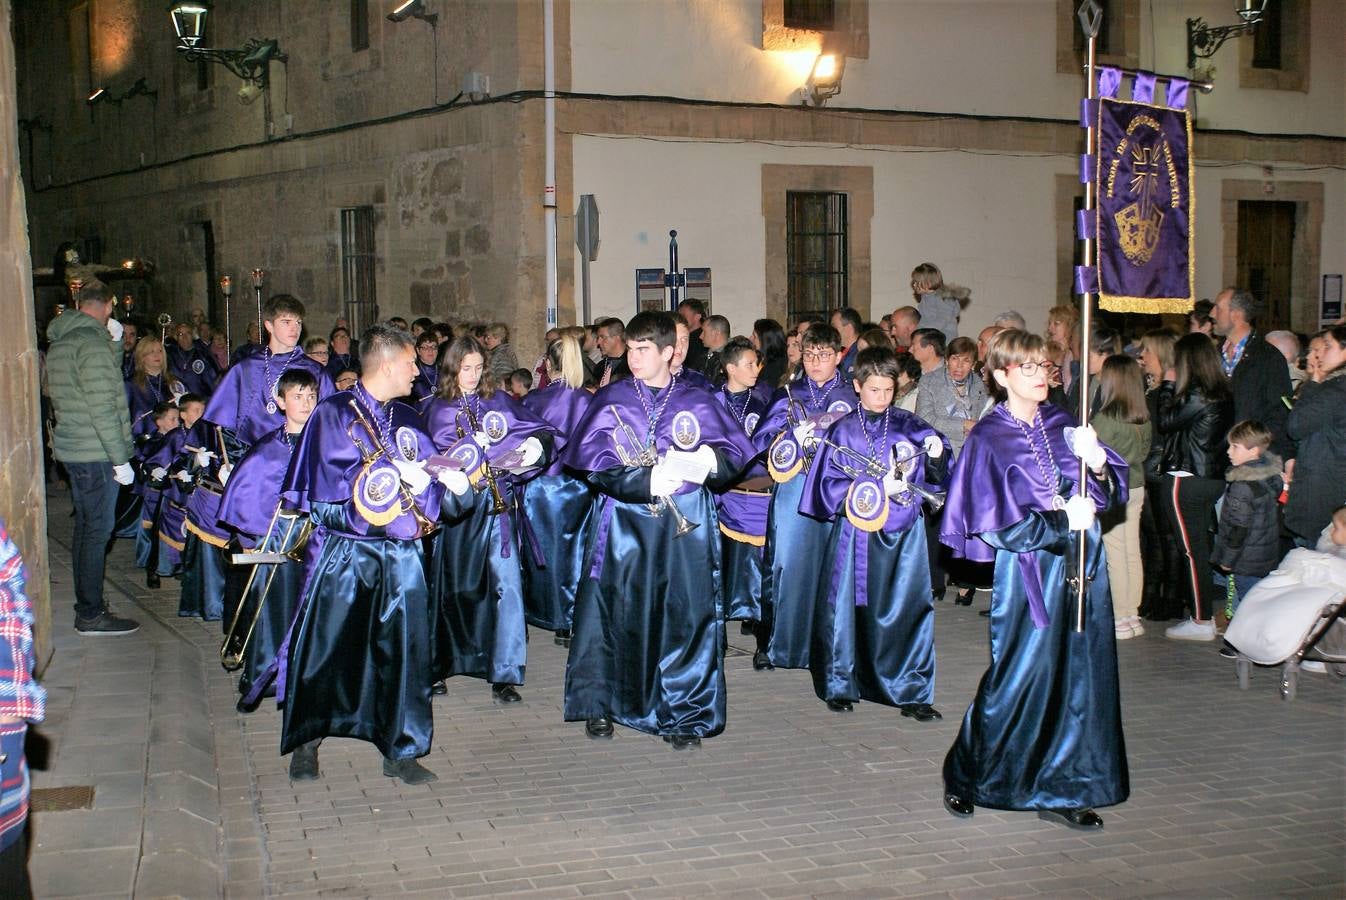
(205, 586)
(557, 507)
(248, 510)
(195, 367)
(795, 542)
(357, 658)
(427, 379)
(1044, 730)
(743, 516)
(476, 578)
(647, 649)
(874, 620)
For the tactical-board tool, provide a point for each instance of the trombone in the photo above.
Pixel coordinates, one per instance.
(621, 435)
(367, 456)
(234, 648)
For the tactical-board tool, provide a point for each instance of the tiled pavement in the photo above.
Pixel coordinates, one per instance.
(1233, 793)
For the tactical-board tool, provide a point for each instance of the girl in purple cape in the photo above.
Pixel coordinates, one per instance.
(1044, 731)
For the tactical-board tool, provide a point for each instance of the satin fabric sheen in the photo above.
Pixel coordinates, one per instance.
(359, 655)
(647, 649)
(743, 514)
(240, 399)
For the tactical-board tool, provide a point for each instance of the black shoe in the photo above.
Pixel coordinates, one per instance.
(439, 689)
(562, 638)
(761, 662)
(985, 614)
(152, 580)
(840, 705)
(747, 626)
(1079, 819)
(408, 771)
(304, 762)
(682, 741)
(937, 596)
(505, 693)
(598, 727)
(921, 712)
(105, 623)
(964, 598)
(1228, 651)
(959, 807)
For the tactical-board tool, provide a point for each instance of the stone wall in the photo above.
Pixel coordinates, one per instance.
(23, 505)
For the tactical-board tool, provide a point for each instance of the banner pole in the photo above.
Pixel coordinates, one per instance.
(1086, 313)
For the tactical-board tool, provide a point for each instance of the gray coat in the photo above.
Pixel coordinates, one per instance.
(939, 404)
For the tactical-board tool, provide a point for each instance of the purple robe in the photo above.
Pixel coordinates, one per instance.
(561, 407)
(239, 403)
(743, 513)
(508, 422)
(836, 396)
(142, 400)
(427, 379)
(253, 491)
(195, 367)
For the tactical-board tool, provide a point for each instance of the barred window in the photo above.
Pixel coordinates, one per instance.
(817, 255)
(358, 260)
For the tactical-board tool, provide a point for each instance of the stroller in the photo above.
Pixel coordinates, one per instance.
(1295, 613)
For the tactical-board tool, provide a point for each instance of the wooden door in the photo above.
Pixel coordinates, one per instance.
(1265, 254)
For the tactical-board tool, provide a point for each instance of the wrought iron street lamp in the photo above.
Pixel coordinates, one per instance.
(1204, 40)
(251, 62)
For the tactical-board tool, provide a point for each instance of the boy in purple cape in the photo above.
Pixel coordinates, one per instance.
(743, 508)
(793, 559)
(358, 659)
(648, 644)
(250, 509)
(165, 514)
(1044, 731)
(874, 618)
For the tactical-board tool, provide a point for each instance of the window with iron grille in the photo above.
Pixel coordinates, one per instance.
(359, 25)
(813, 15)
(817, 253)
(358, 259)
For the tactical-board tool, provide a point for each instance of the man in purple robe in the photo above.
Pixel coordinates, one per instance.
(647, 649)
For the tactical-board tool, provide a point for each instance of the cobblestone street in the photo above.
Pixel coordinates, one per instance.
(1234, 794)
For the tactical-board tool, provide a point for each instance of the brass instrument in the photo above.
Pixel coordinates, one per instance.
(234, 648)
(165, 320)
(497, 500)
(367, 456)
(621, 435)
(867, 466)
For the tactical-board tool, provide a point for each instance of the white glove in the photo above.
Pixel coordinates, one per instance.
(1079, 513)
(455, 481)
(115, 329)
(482, 438)
(1084, 444)
(225, 471)
(202, 458)
(158, 473)
(803, 433)
(662, 482)
(531, 451)
(183, 475)
(413, 474)
(895, 485)
(123, 474)
(934, 447)
(706, 456)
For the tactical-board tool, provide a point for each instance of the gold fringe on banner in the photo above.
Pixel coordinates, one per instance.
(1152, 305)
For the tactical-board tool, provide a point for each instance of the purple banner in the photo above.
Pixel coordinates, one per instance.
(1145, 237)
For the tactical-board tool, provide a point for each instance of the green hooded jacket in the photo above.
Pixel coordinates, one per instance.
(84, 378)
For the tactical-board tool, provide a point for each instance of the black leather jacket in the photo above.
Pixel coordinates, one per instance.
(1193, 430)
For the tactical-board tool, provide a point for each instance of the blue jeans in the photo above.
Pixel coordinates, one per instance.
(95, 496)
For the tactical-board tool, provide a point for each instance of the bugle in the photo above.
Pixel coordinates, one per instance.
(642, 454)
(497, 499)
(408, 502)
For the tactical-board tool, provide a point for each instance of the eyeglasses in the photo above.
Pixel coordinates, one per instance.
(1030, 368)
(819, 355)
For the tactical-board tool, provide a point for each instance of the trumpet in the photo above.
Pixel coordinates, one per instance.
(497, 499)
(934, 500)
(423, 522)
(863, 465)
(165, 320)
(623, 435)
(234, 647)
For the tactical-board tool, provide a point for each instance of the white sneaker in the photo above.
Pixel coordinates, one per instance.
(1191, 630)
(1314, 665)
(1122, 629)
(1137, 627)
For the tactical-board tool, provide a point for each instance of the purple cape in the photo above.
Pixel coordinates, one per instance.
(240, 399)
(446, 422)
(691, 413)
(561, 407)
(996, 480)
(327, 462)
(253, 490)
(744, 512)
(825, 489)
